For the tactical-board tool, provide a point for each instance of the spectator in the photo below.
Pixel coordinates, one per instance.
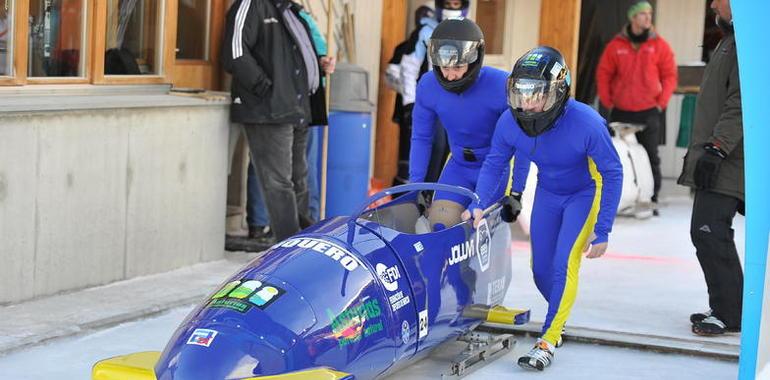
(635, 79)
(713, 167)
(276, 93)
(256, 212)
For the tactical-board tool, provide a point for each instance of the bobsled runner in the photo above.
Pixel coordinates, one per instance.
(354, 297)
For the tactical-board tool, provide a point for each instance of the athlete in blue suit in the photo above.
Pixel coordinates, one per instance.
(468, 99)
(579, 182)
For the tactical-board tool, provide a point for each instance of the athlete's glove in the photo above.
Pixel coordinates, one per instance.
(707, 167)
(511, 208)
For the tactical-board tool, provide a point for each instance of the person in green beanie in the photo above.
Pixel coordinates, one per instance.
(635, 79)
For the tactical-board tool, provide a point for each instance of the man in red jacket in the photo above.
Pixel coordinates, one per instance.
(635, 79)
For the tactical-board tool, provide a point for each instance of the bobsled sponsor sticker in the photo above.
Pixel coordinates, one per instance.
(398, 300)
(483, 238)
(356, 322)
(478, 246)
(202, 337)
(331, 250)
(389, 276)
(495, 291)
(242, 295)
(405, 332)
(461, 252)
(423, 324)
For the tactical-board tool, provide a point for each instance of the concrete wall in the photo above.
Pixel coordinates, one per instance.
(93, 196)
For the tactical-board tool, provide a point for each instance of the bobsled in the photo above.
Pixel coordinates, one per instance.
(352, 297)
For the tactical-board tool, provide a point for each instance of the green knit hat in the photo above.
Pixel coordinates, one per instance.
(638, 7)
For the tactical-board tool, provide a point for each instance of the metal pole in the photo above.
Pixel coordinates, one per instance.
(325, 145)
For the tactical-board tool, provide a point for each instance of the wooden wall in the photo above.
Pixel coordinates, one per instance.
(560, 28)
(386, 146)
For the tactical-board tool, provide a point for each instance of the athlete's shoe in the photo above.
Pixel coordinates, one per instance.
(538, 357)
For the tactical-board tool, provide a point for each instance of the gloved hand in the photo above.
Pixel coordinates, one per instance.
(707, 167)
(511, 208)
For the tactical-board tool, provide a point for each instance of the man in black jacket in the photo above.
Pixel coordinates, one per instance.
(713, 167)
(276, 93)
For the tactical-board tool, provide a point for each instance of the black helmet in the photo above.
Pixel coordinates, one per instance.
(457, 42)
(539, 77)
(444, 14)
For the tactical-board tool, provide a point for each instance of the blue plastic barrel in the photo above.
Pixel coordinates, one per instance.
(347, 176)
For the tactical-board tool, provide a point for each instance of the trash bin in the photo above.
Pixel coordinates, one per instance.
(350, 130)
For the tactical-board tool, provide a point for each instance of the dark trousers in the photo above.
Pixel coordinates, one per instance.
(278, 154)
(649, 138)
(712, 235)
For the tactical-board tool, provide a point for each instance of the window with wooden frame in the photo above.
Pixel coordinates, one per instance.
(86, 41)
(192, 36)
(6, 38)
(493, 17)
(56, 43)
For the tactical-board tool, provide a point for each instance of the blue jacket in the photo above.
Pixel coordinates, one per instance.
(563, 156)
(469, 119)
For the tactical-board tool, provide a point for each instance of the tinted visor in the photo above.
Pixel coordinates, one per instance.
(453, 53)
(533, 96)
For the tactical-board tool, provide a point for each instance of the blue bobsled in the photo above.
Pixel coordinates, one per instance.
(349, 298)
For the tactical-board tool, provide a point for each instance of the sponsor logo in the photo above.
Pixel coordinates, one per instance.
(202, 337)
(405, 332)
(462, 252)
(237, 101)
(389, 276)
(556, 69)
(398, 300)
(495, 291)
(270, 20)
(418, 246)
(479, 246)
(423, 324)
(242, 295)
(356, 322)
(483, 238)
(331, 250)
(532, 59)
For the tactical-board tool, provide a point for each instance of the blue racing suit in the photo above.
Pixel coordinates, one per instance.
(579, 183)
(469, 119)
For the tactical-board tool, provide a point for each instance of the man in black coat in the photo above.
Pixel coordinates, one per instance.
(276, 93)
(713, 167)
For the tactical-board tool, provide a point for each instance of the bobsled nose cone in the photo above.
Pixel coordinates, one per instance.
(222, 352)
